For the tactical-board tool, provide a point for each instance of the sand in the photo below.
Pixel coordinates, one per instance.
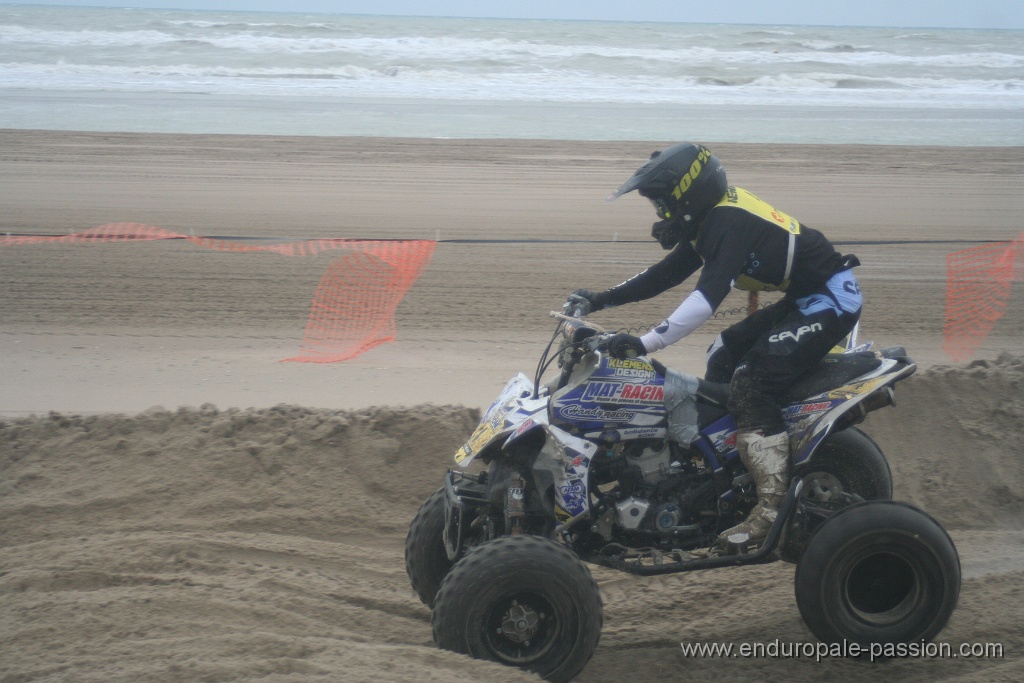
(177, 505)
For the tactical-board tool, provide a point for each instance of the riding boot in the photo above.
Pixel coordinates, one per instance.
(767, 460)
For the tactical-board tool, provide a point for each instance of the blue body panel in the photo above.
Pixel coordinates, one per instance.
(619, 393)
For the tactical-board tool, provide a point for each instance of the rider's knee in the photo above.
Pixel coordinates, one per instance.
(719, 361)
(753, 403)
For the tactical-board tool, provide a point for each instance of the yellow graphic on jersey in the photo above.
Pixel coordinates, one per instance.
(745, 283)
(742, 199)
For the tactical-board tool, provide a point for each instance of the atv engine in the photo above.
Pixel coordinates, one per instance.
(660, 496)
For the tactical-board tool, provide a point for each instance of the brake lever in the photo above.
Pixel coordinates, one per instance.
(598, 342)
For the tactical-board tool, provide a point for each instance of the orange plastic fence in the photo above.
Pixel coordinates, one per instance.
(978, 285)
(353, 309)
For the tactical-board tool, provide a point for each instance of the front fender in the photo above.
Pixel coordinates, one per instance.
(510, 410)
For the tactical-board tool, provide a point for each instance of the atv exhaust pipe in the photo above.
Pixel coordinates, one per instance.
(882, 398)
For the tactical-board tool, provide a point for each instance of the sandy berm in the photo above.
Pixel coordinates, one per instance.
(251, 529)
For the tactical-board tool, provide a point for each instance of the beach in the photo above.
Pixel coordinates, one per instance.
(210, 327)
(176, 503)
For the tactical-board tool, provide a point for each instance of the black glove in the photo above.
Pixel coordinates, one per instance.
(666, 232)
(585, 301)
(624, 345)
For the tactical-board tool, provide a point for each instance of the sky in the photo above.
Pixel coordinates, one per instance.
(1006, 14)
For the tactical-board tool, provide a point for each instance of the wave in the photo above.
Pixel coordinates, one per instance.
(21, 36)
(246, 25)
(366, 57)
(249, 39)
(776, 45)
(411, 81)
(828, 46)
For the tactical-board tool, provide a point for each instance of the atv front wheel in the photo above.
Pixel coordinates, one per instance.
(523, 601)
(426, 560)
(878, 572)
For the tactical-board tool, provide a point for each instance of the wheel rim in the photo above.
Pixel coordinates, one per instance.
(521, 628)
(883, 588)
(822, 487)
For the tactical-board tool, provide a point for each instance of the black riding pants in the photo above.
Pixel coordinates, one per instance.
(768, 351)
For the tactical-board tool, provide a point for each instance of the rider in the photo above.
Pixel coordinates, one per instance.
(740, 241)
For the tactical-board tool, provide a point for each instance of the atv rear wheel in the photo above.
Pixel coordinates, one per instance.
(523, 601)
(847, 462)
(878, 572)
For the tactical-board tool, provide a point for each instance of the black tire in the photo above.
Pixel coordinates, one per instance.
(426, 560)
(523, 601)
(878, 572)
(846, 462)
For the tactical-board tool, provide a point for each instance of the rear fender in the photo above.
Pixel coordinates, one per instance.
(814, 418)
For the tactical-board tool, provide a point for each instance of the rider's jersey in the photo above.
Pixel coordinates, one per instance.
(742, 242)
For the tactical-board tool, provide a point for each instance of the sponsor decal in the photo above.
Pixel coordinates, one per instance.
(580, 460)
(575, 503)
(643, 392)
(724, 441)
(483, 434)
(794, 411)
(481, 437)
(574, 495)
(643, 433)
(524, 427)
(633, 374)
(795, 336)
(578, 412)
(630, 364)
(626, 392)
(850, 390)
(578, 467)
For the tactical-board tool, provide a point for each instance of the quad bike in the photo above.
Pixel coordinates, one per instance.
(629, 465)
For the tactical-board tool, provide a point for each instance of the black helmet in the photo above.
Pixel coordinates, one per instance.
(683, 182)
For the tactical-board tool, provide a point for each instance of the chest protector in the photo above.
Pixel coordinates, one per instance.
(739, 198)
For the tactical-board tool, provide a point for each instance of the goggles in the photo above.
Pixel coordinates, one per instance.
(661, 207)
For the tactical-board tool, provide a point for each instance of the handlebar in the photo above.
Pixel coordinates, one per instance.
(579, 337)
(576, 322)
(583, 334)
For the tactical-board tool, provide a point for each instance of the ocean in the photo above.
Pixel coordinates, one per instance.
(104, 69)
